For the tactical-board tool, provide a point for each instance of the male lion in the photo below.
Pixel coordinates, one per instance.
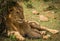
(17, 25)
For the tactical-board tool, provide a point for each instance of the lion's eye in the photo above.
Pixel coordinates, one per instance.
(11, 10)
(17, 12)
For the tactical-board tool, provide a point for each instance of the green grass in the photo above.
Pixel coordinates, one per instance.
(52, 23)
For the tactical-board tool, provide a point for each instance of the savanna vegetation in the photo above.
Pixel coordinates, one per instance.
(45, 12)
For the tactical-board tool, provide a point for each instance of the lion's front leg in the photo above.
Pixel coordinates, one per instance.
(14, 31)
(17, 35)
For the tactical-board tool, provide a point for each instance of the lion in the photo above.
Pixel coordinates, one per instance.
(17, 25)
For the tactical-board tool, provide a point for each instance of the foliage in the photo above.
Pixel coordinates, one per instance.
(46, 0)
(12, 37)
(28, 3)
(25, 0)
